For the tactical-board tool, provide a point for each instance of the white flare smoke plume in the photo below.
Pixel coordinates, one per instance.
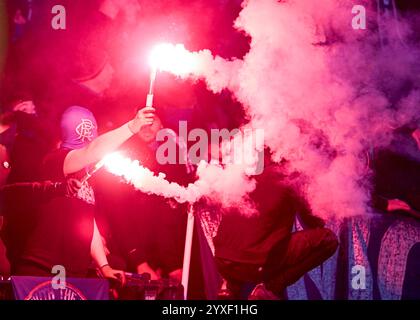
(321, 91)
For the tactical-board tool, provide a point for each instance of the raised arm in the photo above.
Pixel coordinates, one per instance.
(78, 159)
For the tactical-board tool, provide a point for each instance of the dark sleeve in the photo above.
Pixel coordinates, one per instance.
(378, 202)
(39, 190)
(52, 167)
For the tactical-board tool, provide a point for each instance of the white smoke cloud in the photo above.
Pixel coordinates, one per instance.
(316, 86)
(323, 92)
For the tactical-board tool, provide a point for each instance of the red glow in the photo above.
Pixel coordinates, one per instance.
(173, 58)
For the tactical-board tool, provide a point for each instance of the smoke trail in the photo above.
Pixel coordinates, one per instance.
(323, 92)
(144, 180)
(229, 191)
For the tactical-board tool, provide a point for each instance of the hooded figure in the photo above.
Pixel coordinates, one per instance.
(65, 232)
(78, 128)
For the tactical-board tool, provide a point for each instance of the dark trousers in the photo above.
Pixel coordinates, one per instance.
(286, 262)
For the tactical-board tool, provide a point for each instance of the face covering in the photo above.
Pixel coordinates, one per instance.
(78, 128)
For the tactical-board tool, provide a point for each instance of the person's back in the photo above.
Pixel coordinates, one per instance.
(64, 226)
(249, 238)
(263, 249)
